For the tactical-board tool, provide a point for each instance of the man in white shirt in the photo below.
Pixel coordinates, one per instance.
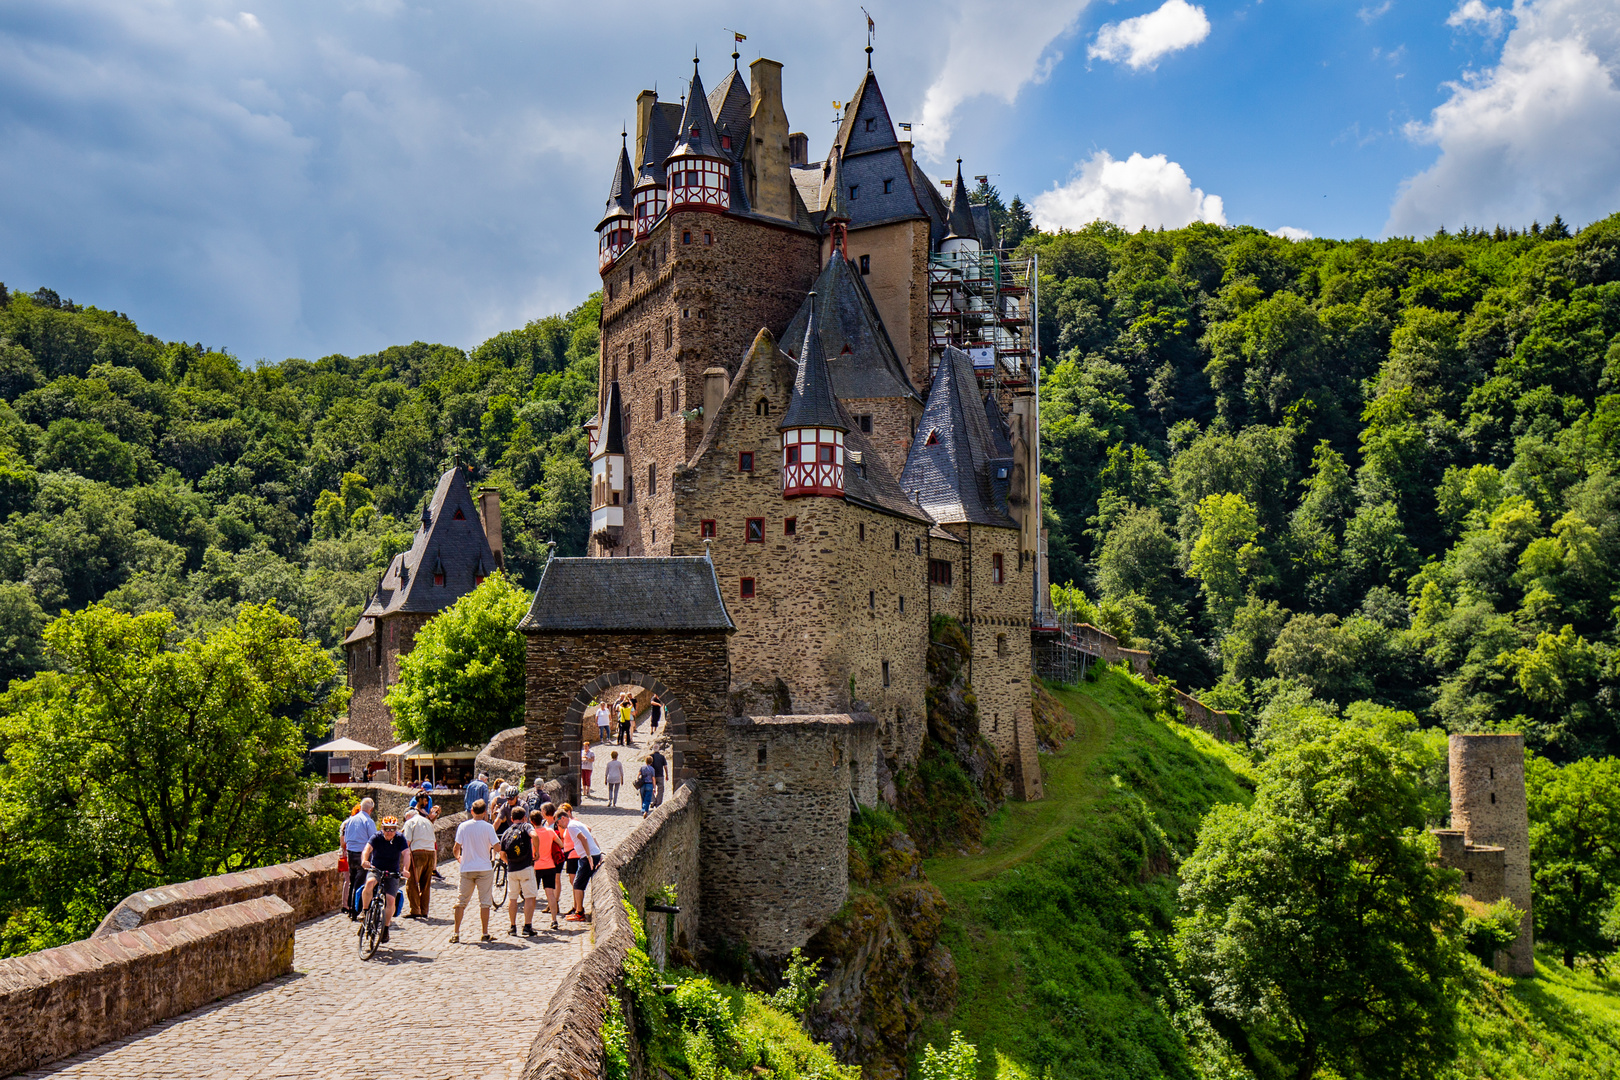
(424, 853)
(588, 852)
(475, 842)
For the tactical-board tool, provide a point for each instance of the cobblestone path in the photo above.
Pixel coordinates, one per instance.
(422, 1008)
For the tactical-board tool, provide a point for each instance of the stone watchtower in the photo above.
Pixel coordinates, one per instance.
(1489, 838)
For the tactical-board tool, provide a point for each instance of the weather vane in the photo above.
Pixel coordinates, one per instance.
(871, 28)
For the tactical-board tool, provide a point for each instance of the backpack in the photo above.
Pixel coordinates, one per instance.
(516, 843)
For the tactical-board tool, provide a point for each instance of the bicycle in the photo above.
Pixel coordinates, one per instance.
(371, 923)
(499, 889)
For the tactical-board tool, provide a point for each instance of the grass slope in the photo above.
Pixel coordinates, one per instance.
(1041, 922)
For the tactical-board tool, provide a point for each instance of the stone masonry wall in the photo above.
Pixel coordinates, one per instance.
(1489, 806)
(1482, 867)
(370, 720)
(57, 1002)
(669, 853)
(776, 849)
(894, 421)
(502, 758)
(898, 283)
(311, 887)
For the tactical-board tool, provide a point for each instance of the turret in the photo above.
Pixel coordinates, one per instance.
(963, 237)
(613, 232)
(813, 427)
(650, 198)
(607, 467)
(699, 169)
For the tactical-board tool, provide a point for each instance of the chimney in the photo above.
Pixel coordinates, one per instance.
(489, 508)
(644, 107)
(767, 153)
(714, 392)
(799, 148)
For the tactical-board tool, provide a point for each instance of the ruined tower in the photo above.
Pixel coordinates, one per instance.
(1489, 838)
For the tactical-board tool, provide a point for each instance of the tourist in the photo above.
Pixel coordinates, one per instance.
(424, 853)
(518, 843)
(355, 833)
(602, 715)
(655, 713)
(615, 778)
(532, 801)
(660, 766)
(475, 840)
(587, 759)
(478, 789)
(647, 783)
(627, 719)
(503, 810)
(385, 859)
(422, 801)
(570, 858)
(590, 857)
(548, 855)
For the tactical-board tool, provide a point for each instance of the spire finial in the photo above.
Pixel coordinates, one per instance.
(871, 29)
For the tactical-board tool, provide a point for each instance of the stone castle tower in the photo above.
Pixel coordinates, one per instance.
(1489, 838)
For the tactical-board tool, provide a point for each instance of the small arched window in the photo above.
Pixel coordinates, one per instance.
(658, 405)
(762, 407)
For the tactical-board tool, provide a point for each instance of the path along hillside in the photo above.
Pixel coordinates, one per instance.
(1050, 924)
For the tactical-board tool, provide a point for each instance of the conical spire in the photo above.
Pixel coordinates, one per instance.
(813, 403)
(696, 137)
(836, 205)
(961, 220)
(620, 191)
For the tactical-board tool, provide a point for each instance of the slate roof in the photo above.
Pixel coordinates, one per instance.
(961, 217)
(859, 352)
(939, 212)
(695, 137)
(362, 630)
(983, 226)
(949, 466)
(660, 138)
(613, 418)
(812, 403)
(631, 595)
(867, 158)
(620, 191)
(1000, 433)
(869, 482)
(836, 207)
(455, 545)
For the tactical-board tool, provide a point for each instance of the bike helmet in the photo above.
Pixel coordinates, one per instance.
(390, 822)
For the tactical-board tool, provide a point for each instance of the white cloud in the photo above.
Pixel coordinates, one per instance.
(1475, 15)
(994, 49)
(1137, 192)
(1531, 137)
(249, 21)
(1288, 232)
(1141, 41)
(1370, 14)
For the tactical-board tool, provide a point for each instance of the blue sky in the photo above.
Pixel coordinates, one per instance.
(301, 178)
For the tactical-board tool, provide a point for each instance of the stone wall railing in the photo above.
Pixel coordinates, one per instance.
(502, 758)
(395, 799)
(58, 1002)
(1105, 646)
(662, 850)
(311, 887)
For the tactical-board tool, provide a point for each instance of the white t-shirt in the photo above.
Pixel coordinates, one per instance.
(476, 838)
(583, 840)
(587, 758)
(602, 715)
(419, 831)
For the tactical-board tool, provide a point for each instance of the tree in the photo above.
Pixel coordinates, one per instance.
(1318, 915)
(1574, 851)
(140, 761)
(463, 680)
(1019, 223)
(1225, 557)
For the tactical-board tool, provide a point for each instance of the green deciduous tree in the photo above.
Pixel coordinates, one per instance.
(1225, 558)
(1574, 852)
(463, 679)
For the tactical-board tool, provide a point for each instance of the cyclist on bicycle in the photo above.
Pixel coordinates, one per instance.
(384, 861)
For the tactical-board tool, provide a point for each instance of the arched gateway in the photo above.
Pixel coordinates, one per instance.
(594, 624)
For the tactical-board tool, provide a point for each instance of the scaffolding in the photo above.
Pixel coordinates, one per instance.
(985, 303)
(1061, 652)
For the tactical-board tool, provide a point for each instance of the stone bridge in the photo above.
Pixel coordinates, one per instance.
(422, 1008)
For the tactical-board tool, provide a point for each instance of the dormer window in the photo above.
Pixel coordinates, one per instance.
(854, 192)
(888, 187)
(725, 142)
(933, 438)
(459, 516)
(869, 123)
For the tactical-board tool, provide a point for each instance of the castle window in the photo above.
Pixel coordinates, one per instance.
(669, 331)
(1492, 770)
(762, 407)
(686, 236)
(793, 455)
(871, 599)
(939, 572)
(854, 192)
(438, 579)
(865, 421)
(1470, 875)
(866, 264)
(459, 516)
(997, 570)
(897, 539)
(675, 395)
(627, 418)
(790, 526)
(762, 753)
(933, 438)
(745, 461)
(1493, 798)
(708, 238)
(1001, 473)
(747, 589)
(888, 187)
(610, 290)
(1001, 644)
(885, 674)
(658, 406)
(863, 530)
(725, 142)
(686, 313)
(652, 479)
(902, 605)
(869, 123)
(917, 540)
(755, 531)
(632, 277)
(706, 530)
(646, 346)
(630, 358)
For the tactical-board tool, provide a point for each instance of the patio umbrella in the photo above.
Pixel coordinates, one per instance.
(343, 746)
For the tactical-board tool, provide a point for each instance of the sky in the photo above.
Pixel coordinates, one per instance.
(335, 176)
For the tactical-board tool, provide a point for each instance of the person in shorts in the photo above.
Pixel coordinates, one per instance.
(475, 841)
(518, 844)
(589, 857)
(385, 859)
(548, 855)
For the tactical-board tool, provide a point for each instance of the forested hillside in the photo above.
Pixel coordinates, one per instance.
(1346, 470)
(165, 475)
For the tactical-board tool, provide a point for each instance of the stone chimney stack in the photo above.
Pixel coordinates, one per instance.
(799, 148)
(644, 107)
(714, 392)
(767, 153)
(489, 508)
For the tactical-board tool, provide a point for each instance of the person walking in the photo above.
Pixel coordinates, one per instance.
(518, 845)
(655, 713)
(424, 853)
(587, 759)
(589, 853)
(475, 841)
(602, 717)
(478, 789)
(627, 719)
(548, 854)
(614, 777)
(384, 859)
(646, 781)
(660, 766)
(355, 833)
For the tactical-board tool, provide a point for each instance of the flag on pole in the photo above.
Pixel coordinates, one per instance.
(739, 37)
(905, 127)
(871, 27)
